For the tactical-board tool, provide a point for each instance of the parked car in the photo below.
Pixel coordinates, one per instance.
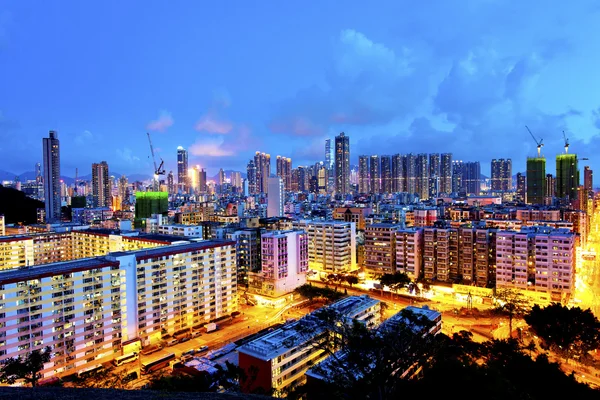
(184, 339)
(201, 350)
(195, 334)
(172, 342)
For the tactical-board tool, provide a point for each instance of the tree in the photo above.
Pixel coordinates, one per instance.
(511, 303)
(27, 368)
(395, 281)
(570, 330)
(352, 280)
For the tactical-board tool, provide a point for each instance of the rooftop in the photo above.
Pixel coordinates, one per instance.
(58, 268)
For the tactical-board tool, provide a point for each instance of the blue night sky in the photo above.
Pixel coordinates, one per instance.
(229, 78)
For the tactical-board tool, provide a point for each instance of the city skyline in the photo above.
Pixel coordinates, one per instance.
(379, 74)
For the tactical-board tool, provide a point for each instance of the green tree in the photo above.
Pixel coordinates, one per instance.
(395, 281)
(572, 331)
(352, 280)
(27, 368)
(512, 303)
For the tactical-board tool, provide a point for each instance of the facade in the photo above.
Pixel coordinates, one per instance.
(248, 252)
(457, 176)
(342, 164)
(284, 264)
(501, 177)
(181, 230)
(281, 358)
(375, 175)
(588, 180)
(386, 174)
(522, 187)
(182, 169)
(398, 173)
(284, 171)
(275, 197)
(434, 175)
(328, 159)
(101, 196)
(52, 195)
(2, 229)
(536, 180)
(550, 186)
(446, 173)
(537, 259)
(251, 177)
(472, 177)
(363, 175)
(567, 177)
(409, 250)
(380, 248)
(262, 162)
(356, 215)
(85, 309)
(422, 176)
(331, 245)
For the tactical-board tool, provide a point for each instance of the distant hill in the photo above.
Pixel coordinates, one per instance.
(17, 207)
(30, 176)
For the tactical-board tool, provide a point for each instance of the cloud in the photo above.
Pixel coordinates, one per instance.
(208, 123)
(209, 149)
(238, 142)
(164, 121)
(83, 138)
(596, 118)
(125, 154)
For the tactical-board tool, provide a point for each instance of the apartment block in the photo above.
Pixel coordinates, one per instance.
(248, 252)
(181, 230)
(353, 214)
(2, 229)
(331, 244)
(424, 217)
(532, 214)
(409, 252)
(84, 309)
(538, 260)
(284, 258)
(380, 248)
(282, 357)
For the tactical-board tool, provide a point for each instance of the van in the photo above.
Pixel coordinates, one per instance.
(172, 342)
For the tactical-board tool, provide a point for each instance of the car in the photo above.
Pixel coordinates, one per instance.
(195, 334)
(186, 358)
(172, 342)
(202, 349)
(184, 339)
(188, 353)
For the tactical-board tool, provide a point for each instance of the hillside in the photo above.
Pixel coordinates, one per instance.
(17, 207)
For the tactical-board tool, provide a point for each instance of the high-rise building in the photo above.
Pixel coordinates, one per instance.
(171, 183)
(550, 186)
(221, 180)
(251, 177)
(501, 175)
(588, 180)
(567, 176)
(386, 174)
(536, 180)
(446, 173)
(380, 248)
(236, 181)
(522, 187)
(363, 174)
(101, 196)
(457, 176)
(51, 147)
(472, 177)
(182, 169)
(411, 173)
(422, 180)
(374, 175)
(398, 173)
(434, 175)
(123, 189)
(275, 197)
(262, 161)
(328, 161)
(284, 170)
(342, 164)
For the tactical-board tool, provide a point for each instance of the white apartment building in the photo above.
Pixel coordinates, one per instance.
(86, 308)
(539, 260)
(181, 230)
(331, 244)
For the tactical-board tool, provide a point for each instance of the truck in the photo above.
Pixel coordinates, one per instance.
(211, 326)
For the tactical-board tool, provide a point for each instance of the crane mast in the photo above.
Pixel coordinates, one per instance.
(539, 143)
(160, 169)
(566, 143)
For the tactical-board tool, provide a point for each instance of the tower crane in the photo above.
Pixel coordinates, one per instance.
(566, 143)
(160, 170)
(539, 143)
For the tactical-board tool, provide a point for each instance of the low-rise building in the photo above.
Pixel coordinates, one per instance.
(181, 230)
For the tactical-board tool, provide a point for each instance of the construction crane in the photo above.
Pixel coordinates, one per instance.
(160, 169)
(566, 143)
(539, 143)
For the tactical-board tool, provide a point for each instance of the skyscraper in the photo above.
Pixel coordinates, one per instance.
(550, 186)
(328, 162)
(171, 183)
(251, 177)
(220, 180)
(411, 173)
(51, 147)
(100, 185)
(262, 161)
(457, 176)
(202, 188)
(522, 187)
(501, 175)
(182, 169)
(567, 176)
(398, 173)
(374, 175)
(434, 175)
(275, 197)
(422, 177)
(472, 177)
(342, 164)
(588, 179)
(363, 174)
(446, 173)
(386, 174)
(536, 180)
(284, 170)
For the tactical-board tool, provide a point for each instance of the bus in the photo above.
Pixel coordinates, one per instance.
(124, 359)
(151, 366)
(85, 373)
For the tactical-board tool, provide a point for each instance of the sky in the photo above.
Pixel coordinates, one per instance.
(226, 79)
